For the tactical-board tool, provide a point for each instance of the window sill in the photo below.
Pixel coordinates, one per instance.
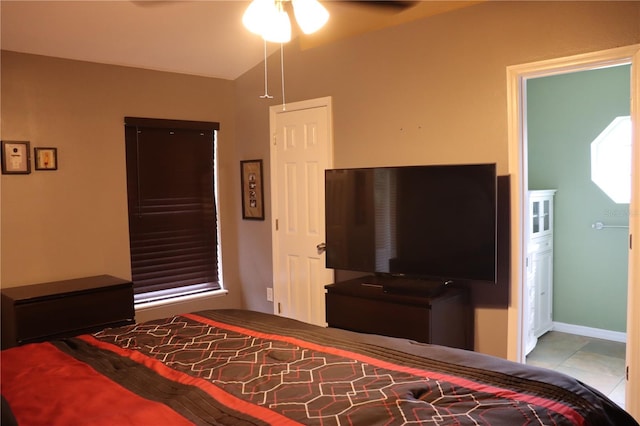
(150, 302)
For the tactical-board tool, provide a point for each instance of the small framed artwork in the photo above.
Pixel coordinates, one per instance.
(46, 158)
(15, 157)
(252, 190)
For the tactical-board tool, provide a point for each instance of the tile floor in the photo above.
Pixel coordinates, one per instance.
(599, 363)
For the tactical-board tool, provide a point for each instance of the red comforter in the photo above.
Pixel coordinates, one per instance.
(233, 367)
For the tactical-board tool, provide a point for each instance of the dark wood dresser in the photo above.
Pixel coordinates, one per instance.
(44, 311)
(443, 319)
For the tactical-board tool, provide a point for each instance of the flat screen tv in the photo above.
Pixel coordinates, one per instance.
(434, 223)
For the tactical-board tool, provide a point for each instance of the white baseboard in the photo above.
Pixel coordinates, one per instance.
(598, 333)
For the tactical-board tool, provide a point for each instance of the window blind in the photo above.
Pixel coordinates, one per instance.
(172, 208)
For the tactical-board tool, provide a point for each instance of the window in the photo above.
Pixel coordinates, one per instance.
(611, 160)
(173, 232)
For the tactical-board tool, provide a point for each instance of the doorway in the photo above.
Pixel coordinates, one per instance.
(301, 151)
(517, 76)
(569, 119)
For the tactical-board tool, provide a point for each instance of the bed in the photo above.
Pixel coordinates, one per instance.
(235, 367)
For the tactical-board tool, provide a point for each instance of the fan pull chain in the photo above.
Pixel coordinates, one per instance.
(284, 106)
(266, 91)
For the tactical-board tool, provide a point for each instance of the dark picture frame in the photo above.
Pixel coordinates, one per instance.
(252, 189)
(16, 157)
(45, 158)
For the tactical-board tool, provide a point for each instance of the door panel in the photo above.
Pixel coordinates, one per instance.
(299, 157)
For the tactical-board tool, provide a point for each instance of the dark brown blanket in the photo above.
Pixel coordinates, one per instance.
(232, 367)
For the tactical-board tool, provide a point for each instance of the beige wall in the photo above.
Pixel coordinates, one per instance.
(73, 222)
(430, 91)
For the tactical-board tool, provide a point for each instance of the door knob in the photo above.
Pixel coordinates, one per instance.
(322, 247)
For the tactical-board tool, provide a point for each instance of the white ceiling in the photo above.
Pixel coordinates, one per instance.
(200, 37)
(193, 37)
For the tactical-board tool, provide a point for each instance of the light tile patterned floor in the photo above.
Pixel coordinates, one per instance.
(599, 363)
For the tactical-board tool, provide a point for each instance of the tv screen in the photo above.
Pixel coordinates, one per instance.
(427, 222)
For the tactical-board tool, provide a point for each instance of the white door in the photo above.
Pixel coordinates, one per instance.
(300, 153)
(632, 404)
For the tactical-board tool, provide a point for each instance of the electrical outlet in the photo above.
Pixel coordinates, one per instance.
(270, 294)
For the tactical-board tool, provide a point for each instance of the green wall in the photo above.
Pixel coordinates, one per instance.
(565, 113)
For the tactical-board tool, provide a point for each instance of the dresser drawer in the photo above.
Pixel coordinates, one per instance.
(67, 314)
(378, 317)
(444, 318)
(45, 311)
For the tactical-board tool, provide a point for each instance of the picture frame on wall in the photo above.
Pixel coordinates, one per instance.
(252, 189)
(15, 157)
(46, 158)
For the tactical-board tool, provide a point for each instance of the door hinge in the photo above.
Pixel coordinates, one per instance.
(279, 308)
(627, 372)
(630, 241)
(277, 224)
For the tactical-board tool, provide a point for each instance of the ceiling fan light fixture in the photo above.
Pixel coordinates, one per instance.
(310, 15)
(268, 18)
(256, 17)
(277, 28)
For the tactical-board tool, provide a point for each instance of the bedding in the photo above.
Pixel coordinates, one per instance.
(234, 367)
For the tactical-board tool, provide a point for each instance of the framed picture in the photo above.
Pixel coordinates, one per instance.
(15, 157)
(252, 192)
(46, 158)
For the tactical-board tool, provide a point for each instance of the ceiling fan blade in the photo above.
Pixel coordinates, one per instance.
(392, 6)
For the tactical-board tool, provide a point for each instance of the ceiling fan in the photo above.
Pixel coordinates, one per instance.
(351, 17)
(392, 6)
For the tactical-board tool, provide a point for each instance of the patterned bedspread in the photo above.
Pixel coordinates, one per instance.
(232, 367)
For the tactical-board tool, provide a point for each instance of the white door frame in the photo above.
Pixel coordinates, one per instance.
(516, 102)
(273, 112)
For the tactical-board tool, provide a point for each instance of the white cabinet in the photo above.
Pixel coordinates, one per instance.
(542, 264)
(538, 295)
(541, 213)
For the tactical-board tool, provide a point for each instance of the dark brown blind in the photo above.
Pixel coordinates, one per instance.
(172, 209)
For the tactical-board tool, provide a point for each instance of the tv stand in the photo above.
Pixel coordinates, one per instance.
(438, 313)
(414, 287)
